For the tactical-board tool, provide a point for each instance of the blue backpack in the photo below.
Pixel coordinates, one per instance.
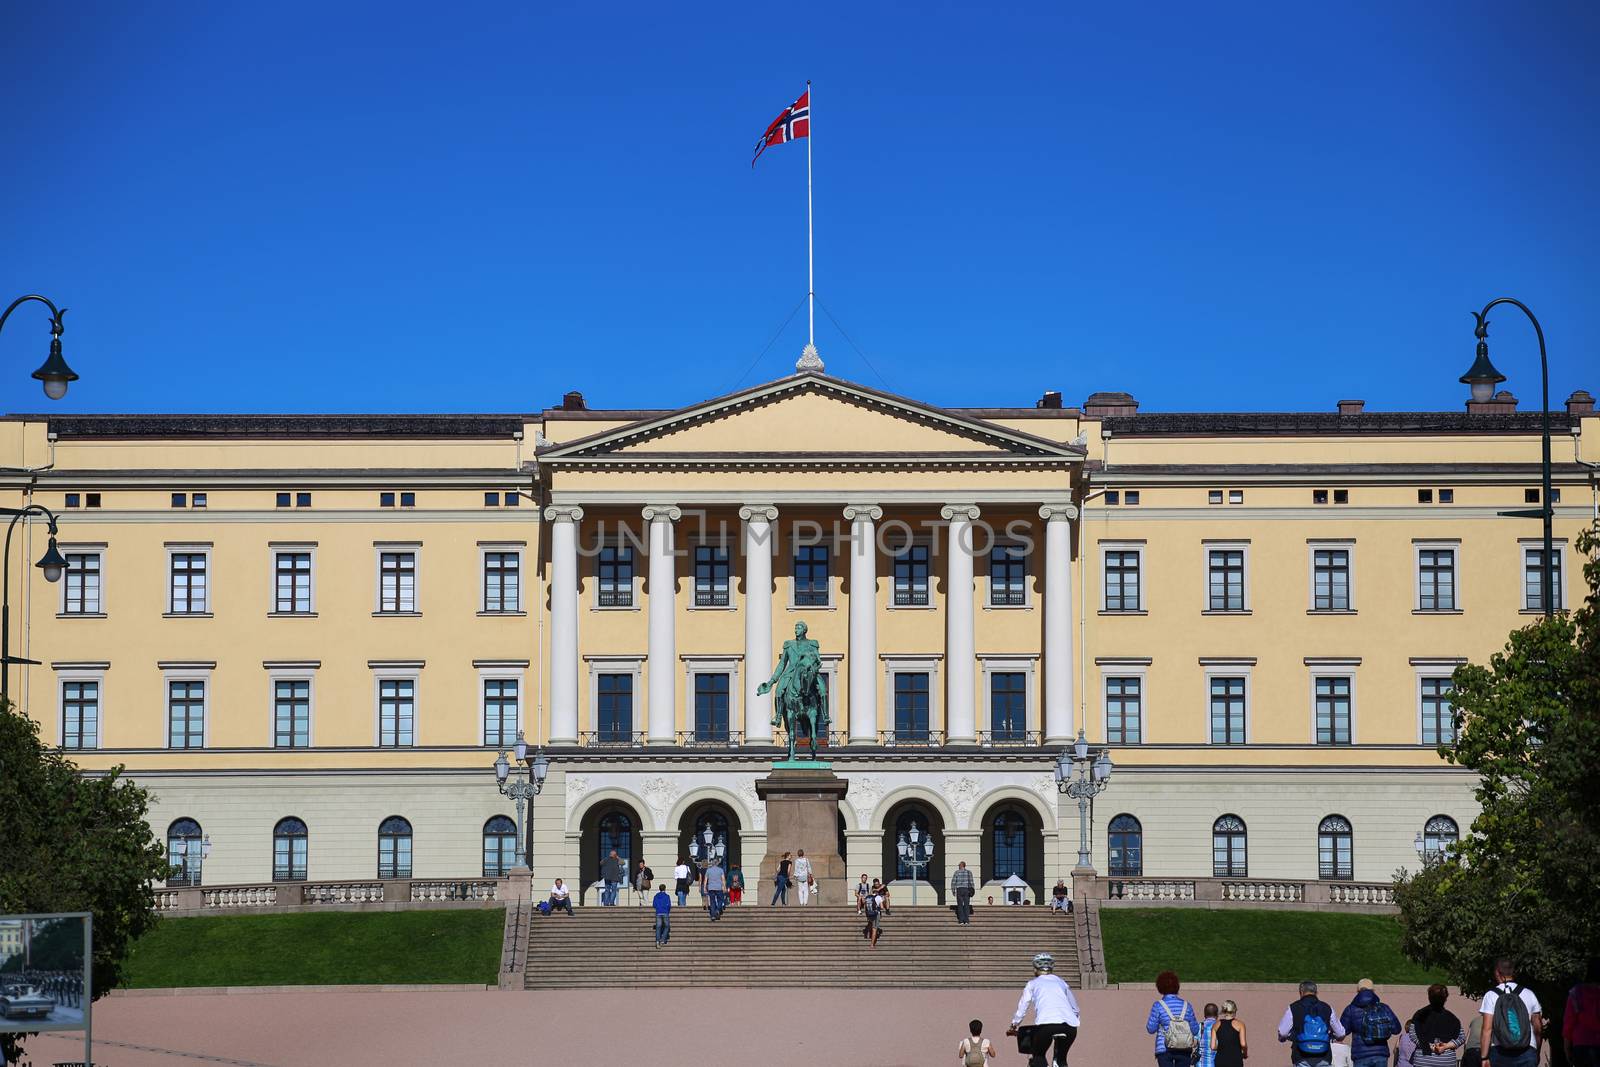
(1311, 1036)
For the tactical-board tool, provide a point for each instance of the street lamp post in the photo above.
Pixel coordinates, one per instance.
(1483, 377)
(54, 372)
(1082, 773)
(915, 850)
(197, 852)
(523, 787)
(53, 566)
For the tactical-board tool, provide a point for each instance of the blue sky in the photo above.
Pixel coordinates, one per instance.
(341, 207)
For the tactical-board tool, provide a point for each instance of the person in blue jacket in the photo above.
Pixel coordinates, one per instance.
(1371, 1023)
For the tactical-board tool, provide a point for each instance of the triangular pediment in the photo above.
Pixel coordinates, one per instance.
(810, 416)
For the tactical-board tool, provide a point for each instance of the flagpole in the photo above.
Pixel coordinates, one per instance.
(811, 275)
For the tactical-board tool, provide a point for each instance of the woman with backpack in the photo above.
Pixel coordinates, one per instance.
(1173, 1021)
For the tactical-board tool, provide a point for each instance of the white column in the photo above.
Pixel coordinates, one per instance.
(960, 718)
(758, 519)
(563, 521)
(1058, 621)
(863, 621)
(663, 657)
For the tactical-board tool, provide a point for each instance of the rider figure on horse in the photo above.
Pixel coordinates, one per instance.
(800, 692)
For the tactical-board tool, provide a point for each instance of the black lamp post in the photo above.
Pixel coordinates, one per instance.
(53, 566)
(54, 372)
(1483, 377)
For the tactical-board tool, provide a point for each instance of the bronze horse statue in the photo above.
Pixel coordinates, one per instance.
(800, 692)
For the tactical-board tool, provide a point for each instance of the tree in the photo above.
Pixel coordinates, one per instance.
(1522, 882)
(74, 843)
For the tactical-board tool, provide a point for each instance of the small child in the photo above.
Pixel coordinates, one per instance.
(975, 1051)
(1207, 1053)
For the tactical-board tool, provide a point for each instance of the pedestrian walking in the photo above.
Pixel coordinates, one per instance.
(1432, 1034)
(874, 914)
(735, 885)
(663, 909)
(1370, 1023)
(1513, 1022)
(1173, 1022)
(560, 897)
(975, 1050)
(1310, 1027)
(1580, 1027)
(1228, 1037)
(612, 874)
(1055, 1016)
(962, 886)
(780, 881)
(802, 876)
(863, 888)
(716, 883)
(680, 882)
(699, 876)
(1205, 1040)
(642, 880)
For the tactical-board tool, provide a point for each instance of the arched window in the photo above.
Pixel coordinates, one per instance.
(1228, 857)
(1335, 848)
(1439, 836)
(616, 832)
(185, 851)
(1009, 846)
(499, 846)
(290, 843)
(394, 848)
(912, 829)
(1126, 853)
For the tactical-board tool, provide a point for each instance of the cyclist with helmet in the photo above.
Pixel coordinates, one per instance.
(1055, 1015)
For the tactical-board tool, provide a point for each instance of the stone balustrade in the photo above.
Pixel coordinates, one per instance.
(1149, 889)
(377, 893)
(1272, 892)
(1373, 896)
(342, 893)
(481, 889)
(243, 896)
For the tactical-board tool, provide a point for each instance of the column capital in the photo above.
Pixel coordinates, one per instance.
(870, 512)
(663, 512)
(758, 513)
(954, 512)
(563, 513)
(1058, 511)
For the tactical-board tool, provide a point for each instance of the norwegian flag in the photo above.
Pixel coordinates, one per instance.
(795, 122)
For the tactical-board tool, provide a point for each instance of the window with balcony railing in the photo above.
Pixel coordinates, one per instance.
(911, 576)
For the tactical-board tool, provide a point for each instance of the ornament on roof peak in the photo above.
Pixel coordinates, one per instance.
(809, 360)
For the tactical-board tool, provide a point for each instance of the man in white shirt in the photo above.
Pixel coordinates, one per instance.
(1507, 1048)
(802, 876)
(680, 882)
(1055, 1015)
(560, 897)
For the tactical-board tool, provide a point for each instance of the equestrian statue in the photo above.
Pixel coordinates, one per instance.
(800, 692)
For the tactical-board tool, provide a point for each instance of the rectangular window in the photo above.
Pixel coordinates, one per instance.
(394, 855)
(397, 582)
(1236, 496)
(1122, 580)
(1333, 711)
(291, 713)
(811, 576)
(81, 592)
(710, 576)
(491, 500)
(911, 577)
(289, 857)
(386, 500)
(511, 500)
(1341, 496)
(616, 566)
(1533, 577)
(91, 500)
(408, 500)
(502, 581)
(911, 705)
(283, 500)
(1438, 714)
(1213, 496)
(614, 707)
(189, 591)
(197, 500)
(1424, 496)
(180, 500)
(1330, 579)
(710, 705)
(292, 571)
(80, 714)
(499, 712)
(1319, 496)
(1008, 571)
(1008, 705)
(1447, 496)
(1226, 579)
(71, 500)
(1124, 704)
(1113, 497)
(302, 500)
(186, 714)
(1227, 711)
(397, 712)
(1131, 497)
(1436, 579)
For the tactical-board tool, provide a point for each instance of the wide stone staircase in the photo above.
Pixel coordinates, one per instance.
(757, 946)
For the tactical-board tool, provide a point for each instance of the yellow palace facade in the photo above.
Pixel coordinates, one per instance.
(310, 636)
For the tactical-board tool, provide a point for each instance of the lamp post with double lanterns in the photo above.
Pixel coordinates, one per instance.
(1482, 377)
(915, 849)
(522, 787)
(54, 372)
(51, 564)
(1083, 773)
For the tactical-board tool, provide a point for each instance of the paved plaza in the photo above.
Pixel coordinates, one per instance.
(661, 1028)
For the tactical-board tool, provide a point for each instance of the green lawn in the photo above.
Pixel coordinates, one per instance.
(321, 948)
(1242, 945)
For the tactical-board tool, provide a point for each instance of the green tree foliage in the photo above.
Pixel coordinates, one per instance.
(74, 843)
(1524, 882)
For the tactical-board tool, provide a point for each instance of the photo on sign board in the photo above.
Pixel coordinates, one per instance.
(44, 980)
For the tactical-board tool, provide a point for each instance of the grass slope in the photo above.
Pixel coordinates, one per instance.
(320, 948)
(1241, 945)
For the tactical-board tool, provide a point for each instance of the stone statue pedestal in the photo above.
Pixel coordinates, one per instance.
(803, 813)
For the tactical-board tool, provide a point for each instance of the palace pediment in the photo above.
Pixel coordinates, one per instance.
(809, 419)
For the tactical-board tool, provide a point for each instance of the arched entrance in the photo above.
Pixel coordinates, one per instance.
(1013, 843)
(709, 832)
(609, 825)
(917, 825)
